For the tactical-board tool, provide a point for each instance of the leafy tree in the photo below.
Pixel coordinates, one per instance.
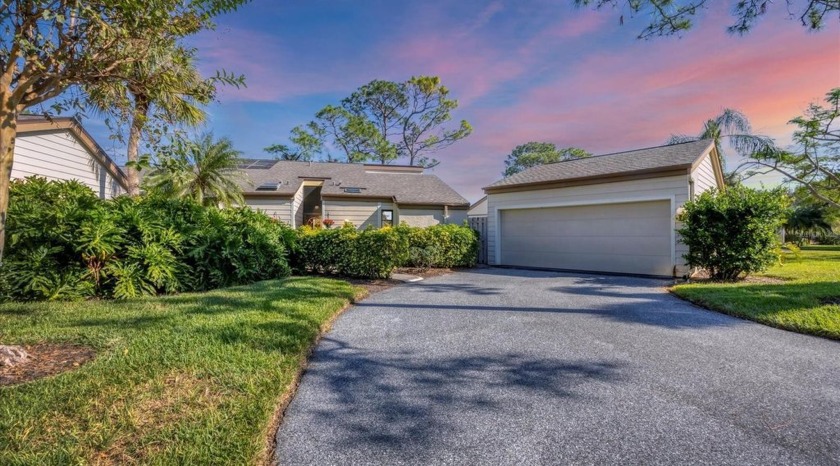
(383, 121)
(205, 170)
(734, 127)
(733, 233)
(668, 17)
(307, 144)
(808, 219)
(50, 46)
(814, 162)
(532, 154)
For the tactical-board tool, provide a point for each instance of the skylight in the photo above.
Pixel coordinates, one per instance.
(267, 187)
(350, 190)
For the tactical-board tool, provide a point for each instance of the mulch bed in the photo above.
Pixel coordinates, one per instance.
(376, 285)
(46, 359)
(702, 276)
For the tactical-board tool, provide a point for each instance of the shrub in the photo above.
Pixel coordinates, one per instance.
(440, 246)
(734, 232)
(370, 253)
(65, 243)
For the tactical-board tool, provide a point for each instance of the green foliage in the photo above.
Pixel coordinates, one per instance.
(381, 121)
(733, 232)
(668, 17)
(205, 170)
(65, 243)
(532, 154)
(374, 253)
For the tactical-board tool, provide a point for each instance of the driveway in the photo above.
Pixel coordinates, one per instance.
(519, 367)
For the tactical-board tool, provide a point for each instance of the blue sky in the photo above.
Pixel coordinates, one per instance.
(522, 70)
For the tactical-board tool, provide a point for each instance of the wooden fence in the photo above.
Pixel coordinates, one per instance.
(479, 224)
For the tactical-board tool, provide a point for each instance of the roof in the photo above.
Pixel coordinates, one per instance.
(36, 123)
(641, 161)
(403, 184)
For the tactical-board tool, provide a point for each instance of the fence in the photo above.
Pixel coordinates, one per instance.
(479, 224)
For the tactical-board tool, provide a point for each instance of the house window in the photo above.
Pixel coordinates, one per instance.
(387, 218)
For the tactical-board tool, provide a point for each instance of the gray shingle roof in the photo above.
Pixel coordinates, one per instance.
(408, 185)
(651, 159)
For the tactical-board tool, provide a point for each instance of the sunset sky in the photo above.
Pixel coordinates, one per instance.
(522, 70)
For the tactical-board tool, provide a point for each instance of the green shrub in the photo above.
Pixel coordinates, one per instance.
(733, 233)
(371, 253)
(65, 243)
(440, 246)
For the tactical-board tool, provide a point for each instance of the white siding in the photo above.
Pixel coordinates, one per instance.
(672, 187)
(60, 156)
(360, 213)
(457, 216)
(479, 209)
(281, 209)
(704, 176)
(297, 207)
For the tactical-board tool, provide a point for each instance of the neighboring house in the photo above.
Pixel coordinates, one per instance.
(479, 209)
(610, 213)
(305, 193)
(60, 149)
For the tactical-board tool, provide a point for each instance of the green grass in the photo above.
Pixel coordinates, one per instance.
(187, 379)
(797, 304)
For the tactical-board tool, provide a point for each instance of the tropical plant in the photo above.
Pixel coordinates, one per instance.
(205, 170)
(733, 233)
(50, 46)
(808, 221)
(532, 154)
(734, 127)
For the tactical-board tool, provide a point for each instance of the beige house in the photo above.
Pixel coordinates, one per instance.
(307, 193)
(613, 213)
(60, 149)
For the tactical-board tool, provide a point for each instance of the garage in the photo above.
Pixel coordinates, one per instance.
(630, 238)
(614, 213)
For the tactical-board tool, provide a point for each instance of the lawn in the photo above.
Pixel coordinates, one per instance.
(807, 301)
(186, 379)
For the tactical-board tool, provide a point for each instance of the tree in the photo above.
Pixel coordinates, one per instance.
(669, 17)
(733, 126)
(307, 144)
(204, 170)
(808, 219)
(532, 154)
(814, 160)
(383, 121)
(50, 46)
(164, 86)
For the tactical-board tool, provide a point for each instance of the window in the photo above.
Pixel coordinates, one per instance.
(387, 218)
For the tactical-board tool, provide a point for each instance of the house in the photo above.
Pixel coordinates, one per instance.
(479, 209)
(613, 213)
(60, 149)
(306, 193)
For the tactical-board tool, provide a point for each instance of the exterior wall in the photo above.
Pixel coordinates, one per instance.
(674, 188)
(359, 213)
(59, 156)
(297, 207)
(479, 209)
(278, 208)
(704, 176)
(421, 217)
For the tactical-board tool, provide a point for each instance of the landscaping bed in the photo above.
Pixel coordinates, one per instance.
(195, 378)
(801, 295)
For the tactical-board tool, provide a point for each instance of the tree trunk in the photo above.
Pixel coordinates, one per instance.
(8, 132)
(138, 121)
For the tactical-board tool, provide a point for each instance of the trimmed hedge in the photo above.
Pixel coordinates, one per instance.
(374, 253)
(63, 242)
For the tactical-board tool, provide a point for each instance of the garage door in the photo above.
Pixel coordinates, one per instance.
(622, 238)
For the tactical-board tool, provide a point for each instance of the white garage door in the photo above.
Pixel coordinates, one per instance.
(633, 238)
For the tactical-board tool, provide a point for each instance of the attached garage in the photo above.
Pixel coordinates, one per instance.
(614, 213)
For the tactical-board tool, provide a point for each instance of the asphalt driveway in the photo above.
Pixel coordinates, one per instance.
(520, 367)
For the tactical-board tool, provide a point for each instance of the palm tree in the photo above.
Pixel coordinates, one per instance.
(808, 220)
(164, 85)
(733, 126)
(205, 170)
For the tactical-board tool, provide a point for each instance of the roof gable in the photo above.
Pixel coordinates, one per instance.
(641, 161)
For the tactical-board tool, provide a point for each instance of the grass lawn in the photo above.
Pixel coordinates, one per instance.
(186, 379)
(801, 303)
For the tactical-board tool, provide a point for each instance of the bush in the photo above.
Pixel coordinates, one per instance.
(440, 246)
(65, 243)
(369, 253)
(734, 232)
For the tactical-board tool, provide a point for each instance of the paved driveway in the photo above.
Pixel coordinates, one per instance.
(519, 367)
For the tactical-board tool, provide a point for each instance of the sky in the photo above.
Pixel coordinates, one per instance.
(536, 70)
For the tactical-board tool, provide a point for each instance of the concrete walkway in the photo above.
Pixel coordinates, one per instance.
(518, 367)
